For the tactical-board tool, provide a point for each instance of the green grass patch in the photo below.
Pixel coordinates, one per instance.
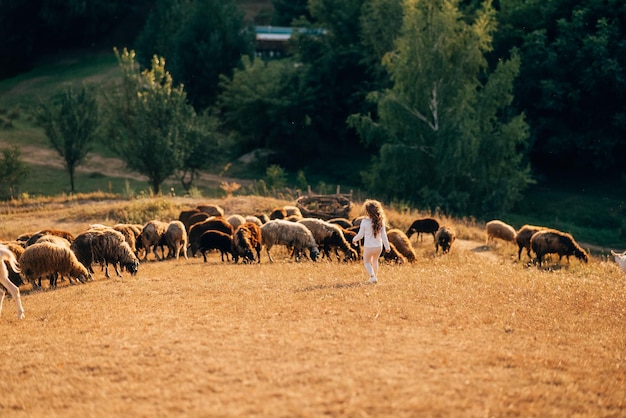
(25, 90)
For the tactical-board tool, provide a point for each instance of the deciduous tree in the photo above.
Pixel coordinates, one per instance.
(446, 136)
(70, 121)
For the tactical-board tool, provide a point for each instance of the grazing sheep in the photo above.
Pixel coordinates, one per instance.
(57, 240)
(152, 237)
(444, 238)
(247, 240)
(423, 226)
(394, 255)
(522, 237)
(186, 214)
(254, 219)
(242, 245)
(235, 220)
(500, 230)
(176, 239)
(105, 246)
(211, 224)
(263, 217)
(551, 241)
(342, 222)
(57, 232)
(400, 240)
(357, 221)
(329, 236)
(213, 210)
(215, 240)
(349, 235)
(46, 259)
(197, 218)
(131, 233)
(620, 259)
(281, 232)
(293, 211)
(7, 257)
(278, 213)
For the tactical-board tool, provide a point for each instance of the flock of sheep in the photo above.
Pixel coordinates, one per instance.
(50, 254)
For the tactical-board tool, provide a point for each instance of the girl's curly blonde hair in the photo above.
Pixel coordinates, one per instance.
(376, 213)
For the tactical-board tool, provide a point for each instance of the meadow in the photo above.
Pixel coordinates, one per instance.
(472, 333)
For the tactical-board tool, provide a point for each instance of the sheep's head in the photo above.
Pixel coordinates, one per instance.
(314, 252)
(132, 267)
(581, 255)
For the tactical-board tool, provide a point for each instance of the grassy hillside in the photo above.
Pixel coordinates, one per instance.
(473, 333)
(594, 212)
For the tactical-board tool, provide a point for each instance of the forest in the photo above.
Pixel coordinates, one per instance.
(450, 104)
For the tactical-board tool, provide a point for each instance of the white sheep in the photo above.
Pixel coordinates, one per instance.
(235, 220)
(176, 239)
(8, 256)
(328, 235)
(620, 259)
(500, 230)
(45, 259)
(281, 232)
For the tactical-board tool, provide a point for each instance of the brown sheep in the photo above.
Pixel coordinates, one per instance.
(131, 233)
(423, 226)
(46, 259)
(500, 230)
(522, 237)
(186, 214)
(211, 224)
(342, 222)
(400, 240)
(247, 240)
(394, 255)
(105, 246)
(215, 240)
(213, 210)
(551, 241)
(57, 232)
(196, 218)
(152, 237)
(444, 238)
(278, 213)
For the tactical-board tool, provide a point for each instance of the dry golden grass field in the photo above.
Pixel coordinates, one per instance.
(473, 333)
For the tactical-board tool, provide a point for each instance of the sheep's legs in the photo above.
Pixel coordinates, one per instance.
(15, 293)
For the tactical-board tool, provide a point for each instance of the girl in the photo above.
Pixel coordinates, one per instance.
(372, 229)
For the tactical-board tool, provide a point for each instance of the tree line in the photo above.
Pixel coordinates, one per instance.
(451, 104)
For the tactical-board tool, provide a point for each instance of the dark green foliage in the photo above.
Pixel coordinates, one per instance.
(13, 172)
(200, 40)
(446, 139)
(571, 85)
(153, 128)
(70, 121)
(286, 11)
(29, 29)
